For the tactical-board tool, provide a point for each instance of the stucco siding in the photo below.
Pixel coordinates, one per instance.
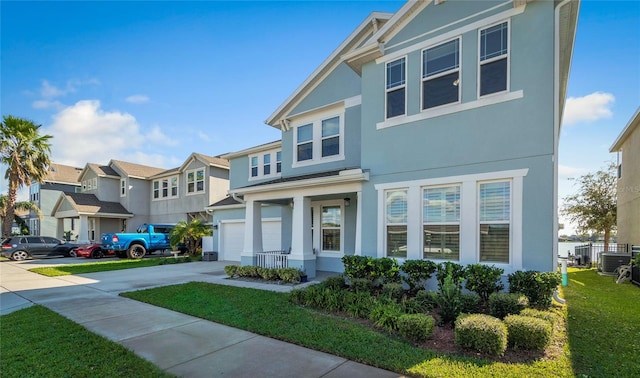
(629, 191)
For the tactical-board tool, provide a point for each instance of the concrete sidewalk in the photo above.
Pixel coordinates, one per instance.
(178, 343)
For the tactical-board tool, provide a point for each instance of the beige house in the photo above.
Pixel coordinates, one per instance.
(627, 145)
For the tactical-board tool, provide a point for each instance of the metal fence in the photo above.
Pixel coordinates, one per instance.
(587, 254)
(272, 259)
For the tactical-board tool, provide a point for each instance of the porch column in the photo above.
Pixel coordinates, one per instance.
(358, 246)
(302, 256)
(252, 232)
(59, 229)
(83, 232)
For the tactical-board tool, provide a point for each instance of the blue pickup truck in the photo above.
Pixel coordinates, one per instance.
(148, 238)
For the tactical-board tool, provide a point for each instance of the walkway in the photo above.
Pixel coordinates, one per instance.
(178, 343)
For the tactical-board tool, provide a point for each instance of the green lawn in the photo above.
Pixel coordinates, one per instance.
(37, 342)
(64, 270)
(603, 325)
(270, 314)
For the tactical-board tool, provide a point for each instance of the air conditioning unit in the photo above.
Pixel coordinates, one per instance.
(608, 261)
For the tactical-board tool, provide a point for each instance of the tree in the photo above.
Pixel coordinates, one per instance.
(26, 154)
(190, 234)
(594, 207)
(23, 206)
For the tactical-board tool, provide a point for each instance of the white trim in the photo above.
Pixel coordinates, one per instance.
(317, 227)
(480, 24)
(316, 141)
(396, 88)
(497, 175)
(253, 150)
(458, 69)
(352, 101)
(480, 63)
(358, 241)
(449, 109)
(273, 155)
(195, 181)
(123, 187)
(168, 179)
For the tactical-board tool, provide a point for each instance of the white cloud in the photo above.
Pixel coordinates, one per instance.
(137, 99)
(156, 136)
(589, 108)
(565, 172)
(47, 104)
(203, 136)
(49, 91)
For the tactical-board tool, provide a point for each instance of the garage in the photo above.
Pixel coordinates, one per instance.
(232, 238)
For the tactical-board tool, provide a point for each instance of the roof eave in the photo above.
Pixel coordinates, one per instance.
(628, 129)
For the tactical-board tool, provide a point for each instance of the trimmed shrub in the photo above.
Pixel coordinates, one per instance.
(417, 272)
(427, 299)
(268, 274)
(482, 333)
(248, 271)
(334, 283)
(416, 327)
(359, 305)
(449, 302)
(470, 303)
(484, 280)
(291, 275)
(385, 270)
(378, 270)
(385, 314)
(537, 286)
(356, 266)
(231, 270)
(503, 304)
(393, 291)
(361, 285)
(456, 271)
(544, 315)
(526, 332)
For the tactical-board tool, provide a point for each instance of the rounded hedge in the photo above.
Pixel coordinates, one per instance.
(503, 304)
(482, 333)
(416, 327)
(540, 314)
(526, 332)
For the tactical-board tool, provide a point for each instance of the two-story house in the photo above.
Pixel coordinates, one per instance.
(431, 133)
(59, 179)
(627, 145)
(120, 196)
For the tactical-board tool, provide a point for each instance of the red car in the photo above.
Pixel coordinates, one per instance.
(93, 251)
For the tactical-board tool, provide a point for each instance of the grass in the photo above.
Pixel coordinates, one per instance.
(65, 270)
(603, 323)
(270, 314)
(37, 342)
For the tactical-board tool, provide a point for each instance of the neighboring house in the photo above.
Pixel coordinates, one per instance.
(431, 133)
(627, 145)
(120, 196)
(59, 179)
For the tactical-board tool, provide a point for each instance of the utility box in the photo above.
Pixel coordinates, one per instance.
(209, 256)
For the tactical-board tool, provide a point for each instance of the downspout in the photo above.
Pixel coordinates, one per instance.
(236, 197)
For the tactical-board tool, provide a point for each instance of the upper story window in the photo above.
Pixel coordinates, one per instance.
(34, 192)
(321, 140)
(195, 181)
(396, 88)
(494, 59)
(123, 187)
(441, 74)
(265, 164)
(165, 188)
(494, 209)
(90, 184)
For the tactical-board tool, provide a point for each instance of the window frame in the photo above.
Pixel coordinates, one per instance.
(458, 223)
(316, 141)
(506, 56)
(123, 187)
(424, 78)
(509, 222)
(387, 195)
(259, 158)
(401, 86)
(165, 185)
(195, 182)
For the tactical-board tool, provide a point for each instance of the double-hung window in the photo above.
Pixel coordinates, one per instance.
(495, 221)
(254, 166)
(396, 88)
(165, 188)
(173, 181)
(123, 187)
(279, 162)
(441, 222)
(396, 222)
(262, 164)
(266, 168)
(156, 189)
(494, 59)
(441, 74)
(305, 142)
(195, 181)
(331, 136)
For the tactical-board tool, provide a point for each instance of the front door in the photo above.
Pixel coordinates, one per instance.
(327, 219)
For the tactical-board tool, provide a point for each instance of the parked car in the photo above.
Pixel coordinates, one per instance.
(23, 247)
(93, 251)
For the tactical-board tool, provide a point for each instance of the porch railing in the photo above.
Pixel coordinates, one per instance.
(272, 259)
(587, 254)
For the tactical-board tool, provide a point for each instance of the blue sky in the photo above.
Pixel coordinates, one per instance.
(151, 82)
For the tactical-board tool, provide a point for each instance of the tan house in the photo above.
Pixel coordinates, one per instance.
(627, 145)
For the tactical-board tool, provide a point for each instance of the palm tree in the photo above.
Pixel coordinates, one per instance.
(22, 206)
(190, 234)
(26, 154)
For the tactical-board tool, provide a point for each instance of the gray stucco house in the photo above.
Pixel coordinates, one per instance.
(431, 133)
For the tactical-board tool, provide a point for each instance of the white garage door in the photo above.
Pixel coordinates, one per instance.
(232, 238)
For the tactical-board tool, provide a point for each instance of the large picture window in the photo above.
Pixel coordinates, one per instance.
(396, 223)
(396, 88)
(495, 221)
(441, 74)
(441, 223)
(494, 59)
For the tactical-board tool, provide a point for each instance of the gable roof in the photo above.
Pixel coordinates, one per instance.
(63, 174)
(212, 161)
(633, 124)
(100, 170)
(357, 37)
(136, 170)
(254, 149)
(89, 204)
